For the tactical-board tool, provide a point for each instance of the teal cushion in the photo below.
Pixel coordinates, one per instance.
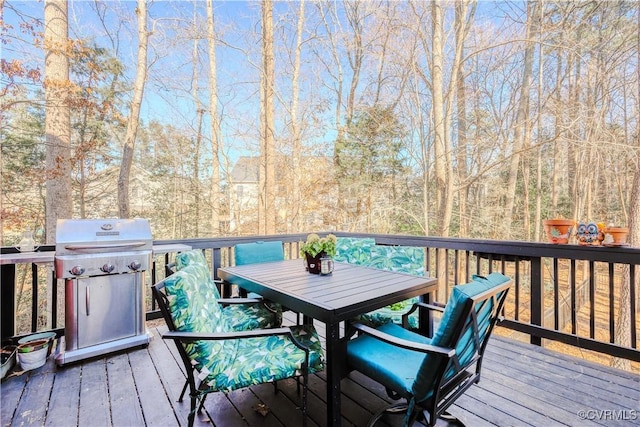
(251, 253)
(394, 367)
(412, 373)
(465, 347)
(354, 250)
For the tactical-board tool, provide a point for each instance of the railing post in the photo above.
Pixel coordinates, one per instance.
(8, 299)
(537, 297)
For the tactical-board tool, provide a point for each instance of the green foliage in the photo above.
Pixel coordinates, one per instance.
(316, 244)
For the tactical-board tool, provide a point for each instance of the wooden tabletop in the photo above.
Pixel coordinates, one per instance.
(348, 291)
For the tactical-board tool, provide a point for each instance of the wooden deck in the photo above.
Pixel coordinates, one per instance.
(521, 385)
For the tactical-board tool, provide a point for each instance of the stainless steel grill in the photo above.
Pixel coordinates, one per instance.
(103, 263)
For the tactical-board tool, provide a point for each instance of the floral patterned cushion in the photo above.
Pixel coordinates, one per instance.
(195, 256)
(186, 258)
(403, 259)
(244, 317)
(354, 250)
(233, 363)
(194, 308)
(239, 317)
(264, 359)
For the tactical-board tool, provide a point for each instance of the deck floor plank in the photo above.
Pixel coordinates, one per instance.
(94, 394)
(123, 396)
(65, 396)
(567, 379)
(150, 390)
(31, 409)
(521, 385)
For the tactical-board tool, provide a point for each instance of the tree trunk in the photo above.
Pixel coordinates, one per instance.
(623, 321)
(296, 224)
(195, 179)
(216, 136)
(521, 130)
(267, 213)
(461, 107)
(124, 205)
(58, 203)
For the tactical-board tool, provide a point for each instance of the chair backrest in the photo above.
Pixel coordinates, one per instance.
(466, 325)
(188, 304)
(354, 250)
(195, 256)
(252, 253)
(402, 259)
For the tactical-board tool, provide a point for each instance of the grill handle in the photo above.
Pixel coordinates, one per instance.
(105, 246)
(87, 299)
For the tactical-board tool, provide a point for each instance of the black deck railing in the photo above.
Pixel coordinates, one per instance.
(566, 293)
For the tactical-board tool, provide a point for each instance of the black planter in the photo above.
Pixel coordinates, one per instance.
(313, 263)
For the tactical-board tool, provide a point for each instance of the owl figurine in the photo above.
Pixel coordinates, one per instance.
(590, 234)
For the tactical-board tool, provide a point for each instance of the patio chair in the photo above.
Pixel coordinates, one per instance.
(402, 259)
(217, 358)
(253, 253)
(431, 373)
(241, 314)
(354, 250)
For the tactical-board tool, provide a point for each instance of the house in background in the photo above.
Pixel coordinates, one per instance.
(316, 203)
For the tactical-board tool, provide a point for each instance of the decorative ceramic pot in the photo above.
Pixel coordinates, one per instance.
(558, 230)
(313, 262)
(619, 234)
(589, 234)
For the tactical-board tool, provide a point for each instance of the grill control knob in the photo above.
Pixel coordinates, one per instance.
(135, 265)
(76, 270)
(107, 268)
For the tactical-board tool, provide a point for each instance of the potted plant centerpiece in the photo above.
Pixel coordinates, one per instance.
(317, 247)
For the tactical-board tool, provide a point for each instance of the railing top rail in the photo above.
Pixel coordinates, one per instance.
(522, 249)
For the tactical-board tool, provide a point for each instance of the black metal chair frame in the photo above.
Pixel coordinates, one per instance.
(199, 391)
(445, 391)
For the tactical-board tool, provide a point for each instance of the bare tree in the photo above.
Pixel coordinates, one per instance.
(295, 122)
(266, 204)
(216, 135)
(522, 128)
(57, 117)
(124, 207)
(623, 321)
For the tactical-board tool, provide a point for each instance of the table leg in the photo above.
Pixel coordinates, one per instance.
(334, 370)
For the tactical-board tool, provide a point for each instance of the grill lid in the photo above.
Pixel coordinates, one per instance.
(74, 236)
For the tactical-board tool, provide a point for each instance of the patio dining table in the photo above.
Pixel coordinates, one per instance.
(348, 291)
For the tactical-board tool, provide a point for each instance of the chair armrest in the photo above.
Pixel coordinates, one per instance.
(402, 343)
(230, 301)
(433, 307)
(197, 336)
(186, 337)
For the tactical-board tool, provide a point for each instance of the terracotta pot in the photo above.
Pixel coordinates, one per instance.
(619, 234)
(558, 230)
